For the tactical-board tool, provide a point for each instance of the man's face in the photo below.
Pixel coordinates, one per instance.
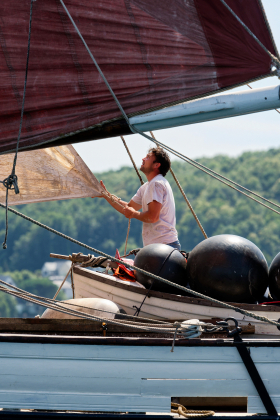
(148, 164)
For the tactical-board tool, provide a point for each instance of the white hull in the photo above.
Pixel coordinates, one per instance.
(93, 284)
(81, 374)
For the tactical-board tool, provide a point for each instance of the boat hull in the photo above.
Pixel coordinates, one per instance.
(129, 374)
(166, 306)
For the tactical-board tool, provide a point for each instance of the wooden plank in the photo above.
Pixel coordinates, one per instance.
(84, 402)
(82, 258)
(66, 384)
(78, 377)
(203, 388)
(81, 326)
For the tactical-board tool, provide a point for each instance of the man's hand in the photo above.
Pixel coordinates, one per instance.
(103, 188)
(129, 212)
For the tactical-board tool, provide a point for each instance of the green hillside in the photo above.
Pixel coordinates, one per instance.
(92, 221)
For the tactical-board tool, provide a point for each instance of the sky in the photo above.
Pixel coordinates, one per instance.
(230, 136)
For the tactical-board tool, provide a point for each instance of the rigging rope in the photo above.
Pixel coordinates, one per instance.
(185, 197)
(181, 328)
(200, 295)
(60, 287)
(127, 235)
(200, 167)
(180, 155)
(10, 183)
(132, 160)
(242, 311)
(141, 181)
(274, 59)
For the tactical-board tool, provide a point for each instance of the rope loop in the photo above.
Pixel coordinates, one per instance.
(93, 261)
(132, 252)
(11, 183)
(182, 411)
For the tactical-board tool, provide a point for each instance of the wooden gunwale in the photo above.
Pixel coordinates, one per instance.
(167, 296)
(131, 341)
(82, 327)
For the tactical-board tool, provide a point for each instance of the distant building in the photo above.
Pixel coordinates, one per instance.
(55, 268)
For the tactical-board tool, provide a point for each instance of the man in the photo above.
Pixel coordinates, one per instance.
(156, 200)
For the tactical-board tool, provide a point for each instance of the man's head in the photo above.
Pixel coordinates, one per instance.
(157, 160)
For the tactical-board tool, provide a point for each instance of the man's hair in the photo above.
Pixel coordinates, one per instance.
(162, 158)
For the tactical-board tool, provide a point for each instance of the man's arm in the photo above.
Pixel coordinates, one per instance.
(134, 205)
(150, 216)
(119, 205)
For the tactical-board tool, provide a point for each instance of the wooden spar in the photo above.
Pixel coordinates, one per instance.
(80, 258)
(208, 109)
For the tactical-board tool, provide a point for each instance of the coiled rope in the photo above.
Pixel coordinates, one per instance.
(182, 411)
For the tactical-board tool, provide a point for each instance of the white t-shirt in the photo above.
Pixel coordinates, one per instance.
(163, 231)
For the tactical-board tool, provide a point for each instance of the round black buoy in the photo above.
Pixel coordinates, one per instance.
(228, 268)
(274, 278)
(164, 261)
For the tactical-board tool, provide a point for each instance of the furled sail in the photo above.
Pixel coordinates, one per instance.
(55, 173)
(153, 53)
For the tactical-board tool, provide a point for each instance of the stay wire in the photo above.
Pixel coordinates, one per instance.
(49, 303)
(95, 62)
(200, 167)
(141, 181)
(274, 59)
(22, 293)
(180, 155)
(133, 129)
(11, 182)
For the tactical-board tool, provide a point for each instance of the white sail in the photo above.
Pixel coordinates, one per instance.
(56, 173)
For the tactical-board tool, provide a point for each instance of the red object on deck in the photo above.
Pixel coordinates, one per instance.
(153, 53)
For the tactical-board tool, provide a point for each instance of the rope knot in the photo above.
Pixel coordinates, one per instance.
(182, 411)
(11, 183)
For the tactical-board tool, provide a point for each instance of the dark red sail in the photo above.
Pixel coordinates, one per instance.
(153, 54)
